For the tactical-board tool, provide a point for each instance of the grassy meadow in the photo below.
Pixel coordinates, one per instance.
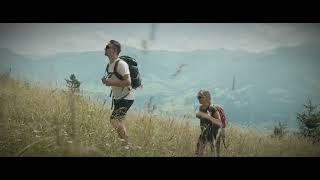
(37, 121)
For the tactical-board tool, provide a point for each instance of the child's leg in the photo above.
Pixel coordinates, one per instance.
(200, 147)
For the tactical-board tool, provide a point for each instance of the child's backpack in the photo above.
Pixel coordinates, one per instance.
(223, 120)
(222, 114)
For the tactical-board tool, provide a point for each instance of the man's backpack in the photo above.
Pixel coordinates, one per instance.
(133, 68)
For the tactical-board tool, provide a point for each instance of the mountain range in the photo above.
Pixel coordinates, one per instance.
(269, 86)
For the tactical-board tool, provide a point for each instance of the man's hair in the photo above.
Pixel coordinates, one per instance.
(117, 46)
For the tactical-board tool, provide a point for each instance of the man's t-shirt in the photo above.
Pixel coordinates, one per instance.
(122, 69)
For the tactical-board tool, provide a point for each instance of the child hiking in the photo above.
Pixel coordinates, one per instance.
(211, 124)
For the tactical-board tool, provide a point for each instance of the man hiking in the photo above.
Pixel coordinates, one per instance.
(123, 96)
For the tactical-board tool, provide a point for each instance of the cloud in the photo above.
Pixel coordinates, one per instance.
(288, 34)
(315, 82)
(244, 89)
(252, 37)
(280, 95)
(240, 104)
(285, 100)
(220, 92)
(277, 91)
(231, 95)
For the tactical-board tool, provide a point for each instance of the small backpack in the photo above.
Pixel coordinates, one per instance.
(223, 120)
(222, 114)
(133, 68)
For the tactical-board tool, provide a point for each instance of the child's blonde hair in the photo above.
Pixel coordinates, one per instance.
(206, 94)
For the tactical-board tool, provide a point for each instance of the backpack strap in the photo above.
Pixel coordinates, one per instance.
(115, 71)
(119, 77)
(221, 131)
(107, 71)
(210, 109)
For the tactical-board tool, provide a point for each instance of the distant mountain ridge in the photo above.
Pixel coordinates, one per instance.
(270, 86)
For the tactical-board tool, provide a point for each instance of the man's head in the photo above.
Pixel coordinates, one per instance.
(204, 96)
(113, 48)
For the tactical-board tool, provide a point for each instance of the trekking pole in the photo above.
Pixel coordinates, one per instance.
(104, 102)
(223, 139)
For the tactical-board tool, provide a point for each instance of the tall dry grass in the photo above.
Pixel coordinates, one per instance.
(37, 121)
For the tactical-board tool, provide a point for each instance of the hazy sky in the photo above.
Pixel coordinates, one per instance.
(47, 38)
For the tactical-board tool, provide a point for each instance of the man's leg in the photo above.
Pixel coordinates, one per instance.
(123, 131)
(119, 126)
(118, 116)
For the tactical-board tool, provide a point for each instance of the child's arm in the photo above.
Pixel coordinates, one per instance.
(210, 118)
(198, 114)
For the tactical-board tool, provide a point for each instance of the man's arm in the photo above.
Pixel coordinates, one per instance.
(120, 83)
(123, 70)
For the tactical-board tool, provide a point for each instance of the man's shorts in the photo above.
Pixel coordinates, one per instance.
(121, 107)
